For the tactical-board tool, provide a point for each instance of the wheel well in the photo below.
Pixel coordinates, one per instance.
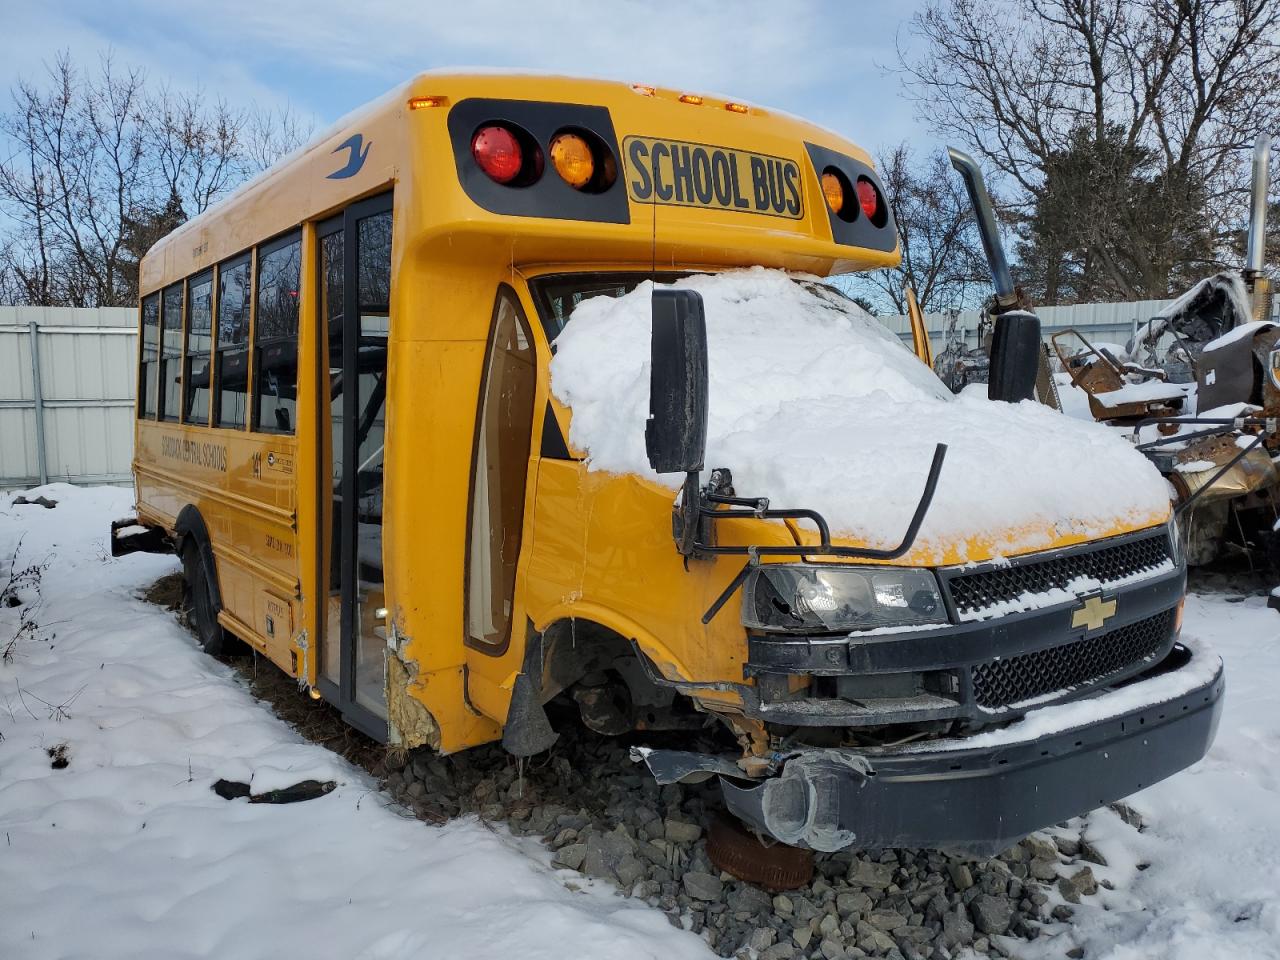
(572, 649)
(190, 529)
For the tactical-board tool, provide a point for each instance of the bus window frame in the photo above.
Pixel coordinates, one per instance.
(190, 283)
(140, 406)
(266, 248)
(162, 412)
(232, 262)
(505, 292)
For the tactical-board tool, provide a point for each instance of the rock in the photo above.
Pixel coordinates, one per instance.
(605, 851)
(831, 949)
(991, 914)
(1044, 869)
(677, 831)
(886, 919)
(779, 951)
(748, 899)
(703, 886)
(570, 856)
(873, 941)
(1040, 847)
(877, 876)
(1067, 846)
(1129, 815)
(782, 904)
(829, 925)
(957, 930)
(847, 903)
(961, 875)
(802, 935)
(1068, 890)
(629, 872)
(762, 938)
(1062, 913)
(913, 934)
(1091, 853)
(1084, 881)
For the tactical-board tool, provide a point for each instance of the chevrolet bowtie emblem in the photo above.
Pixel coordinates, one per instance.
(1093, 613)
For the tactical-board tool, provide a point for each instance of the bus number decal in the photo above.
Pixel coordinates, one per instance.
(211, 456)
(686, 174)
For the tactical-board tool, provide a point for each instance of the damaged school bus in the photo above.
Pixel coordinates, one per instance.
(347, 427)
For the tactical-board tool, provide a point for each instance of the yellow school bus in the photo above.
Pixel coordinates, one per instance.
(346, 428)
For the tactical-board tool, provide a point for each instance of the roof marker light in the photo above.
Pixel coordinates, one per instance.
(644, 89)
(692, 98)
(736, 107)
(421, 103)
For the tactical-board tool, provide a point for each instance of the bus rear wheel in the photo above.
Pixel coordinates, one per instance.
(200, 606)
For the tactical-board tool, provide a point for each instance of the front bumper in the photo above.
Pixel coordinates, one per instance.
(983, 793)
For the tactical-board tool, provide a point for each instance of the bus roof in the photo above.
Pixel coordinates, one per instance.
(700, 180)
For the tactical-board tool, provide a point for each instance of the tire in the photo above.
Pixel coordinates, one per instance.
(200, 606)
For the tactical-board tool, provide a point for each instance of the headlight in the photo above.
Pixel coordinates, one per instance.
(832, 597)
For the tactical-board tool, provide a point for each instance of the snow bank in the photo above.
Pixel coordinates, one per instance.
(127, 852)
(814, 405)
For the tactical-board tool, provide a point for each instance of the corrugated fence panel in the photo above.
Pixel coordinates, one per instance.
(87, 371)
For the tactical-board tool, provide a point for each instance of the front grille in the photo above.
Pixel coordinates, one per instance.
(1000, 683)
(972, 593)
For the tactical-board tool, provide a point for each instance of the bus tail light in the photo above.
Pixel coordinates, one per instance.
(833, 190)
(498, 151)
(571, 156)
(583, 160)
(869, 200)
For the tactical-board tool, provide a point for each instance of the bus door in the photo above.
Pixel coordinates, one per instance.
(354, 273)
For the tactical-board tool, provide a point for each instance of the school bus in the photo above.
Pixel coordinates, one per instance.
(346, 430)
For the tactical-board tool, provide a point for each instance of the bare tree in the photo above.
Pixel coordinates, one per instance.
(271, 134)
(99, 167)
(941, 253)
(1183, 87)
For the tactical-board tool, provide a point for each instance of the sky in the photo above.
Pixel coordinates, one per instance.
(830, 62)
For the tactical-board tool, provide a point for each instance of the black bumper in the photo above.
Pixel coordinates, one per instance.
(984, 798)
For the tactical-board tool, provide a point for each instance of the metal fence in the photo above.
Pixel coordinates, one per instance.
(66, 394)
(1108, 322)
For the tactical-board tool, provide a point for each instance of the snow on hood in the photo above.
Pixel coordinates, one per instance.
(814, 404)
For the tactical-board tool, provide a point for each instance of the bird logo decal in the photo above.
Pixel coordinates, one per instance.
(355, 158)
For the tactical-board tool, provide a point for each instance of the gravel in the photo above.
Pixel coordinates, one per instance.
(605, 817)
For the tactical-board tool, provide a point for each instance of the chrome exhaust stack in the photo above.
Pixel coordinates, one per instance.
(1256, 245)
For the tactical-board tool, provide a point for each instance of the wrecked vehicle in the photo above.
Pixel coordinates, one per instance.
(546, 410)
(1198, 385)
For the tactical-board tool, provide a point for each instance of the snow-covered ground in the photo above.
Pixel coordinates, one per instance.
(126, 852)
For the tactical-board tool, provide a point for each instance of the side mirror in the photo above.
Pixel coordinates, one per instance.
(1015, 356)
(675, 435)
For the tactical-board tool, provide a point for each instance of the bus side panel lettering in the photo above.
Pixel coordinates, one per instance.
(722, 178)
(681, 173)
(759, 183)
(789, 176)
(659, 151)
(642, 187)
(702, 175)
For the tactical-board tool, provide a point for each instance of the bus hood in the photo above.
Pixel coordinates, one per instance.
(813, 403)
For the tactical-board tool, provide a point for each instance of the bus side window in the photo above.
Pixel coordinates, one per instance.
(231, 371)
(498, 474)
(148, 372)
(171, 352)
(195, 375)
(276, 336)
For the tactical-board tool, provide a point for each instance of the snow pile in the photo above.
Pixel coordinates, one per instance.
(812, 404)
(126, 852)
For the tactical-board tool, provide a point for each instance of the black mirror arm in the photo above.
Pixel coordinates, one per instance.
(824, 548)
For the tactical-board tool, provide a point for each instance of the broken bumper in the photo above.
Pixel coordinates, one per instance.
(983, 793)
